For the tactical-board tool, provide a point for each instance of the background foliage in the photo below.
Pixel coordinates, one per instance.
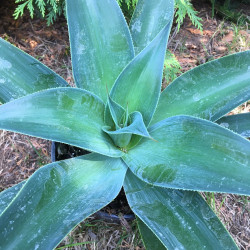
(229, 10)
(52, 9)
(49, 9)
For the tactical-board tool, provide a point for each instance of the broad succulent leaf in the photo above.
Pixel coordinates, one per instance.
(149, 239)
(122, 136)
(238, 123)
(68, 115)
(57, 197)
(208, 91)
(194, 154)
(139, 85)
(8, 195)
(178, 152)
(101, 44)
(115, 114)
(180, 219)
(21, 74)
(149, 18)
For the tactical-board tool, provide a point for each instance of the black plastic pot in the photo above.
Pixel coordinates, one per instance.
(100, 214)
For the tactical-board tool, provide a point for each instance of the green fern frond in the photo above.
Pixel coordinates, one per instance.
(53, 8)
(172, 67)
(51, 17)
(54, 5)
(31, 8)
(41, 6)
(21, 7)
(183, 8)
(130, 3)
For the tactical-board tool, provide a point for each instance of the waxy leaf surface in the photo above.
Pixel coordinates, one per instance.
(139, 85)
(68, 115)
(194, 154)
(122, 136)
(8, 195)
(136, 127)
(56, 198)
(115, 114)
(208, 91)
(238, 123)
(149, 18)
(180, 219)
(101, 45)
(149, 239)
(21, 74)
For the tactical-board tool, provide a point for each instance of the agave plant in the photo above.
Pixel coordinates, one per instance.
(161, 147)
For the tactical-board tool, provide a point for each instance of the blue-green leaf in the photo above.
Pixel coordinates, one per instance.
(194, 154)
(149, 18)
(139, 84)
(56, 198)
(137, 127)
(149, 238)
(208, 91)
(101, 45)
(21, 74)
(8, 195)
(115, 114)
(68, 115)
(180, 219)
(238, 123)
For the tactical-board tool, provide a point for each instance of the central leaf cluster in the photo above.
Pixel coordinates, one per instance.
(121, 126)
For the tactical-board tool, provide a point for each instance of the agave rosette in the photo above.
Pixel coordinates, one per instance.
(161, 147)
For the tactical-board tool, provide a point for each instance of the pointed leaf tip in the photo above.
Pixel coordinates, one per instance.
(149, 18)
(100, 42)
(122, 136)
(140, 82)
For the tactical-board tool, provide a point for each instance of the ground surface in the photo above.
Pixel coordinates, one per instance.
(22, 155)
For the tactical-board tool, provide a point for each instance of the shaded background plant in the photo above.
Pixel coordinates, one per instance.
(52, 9)
(229, 10)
